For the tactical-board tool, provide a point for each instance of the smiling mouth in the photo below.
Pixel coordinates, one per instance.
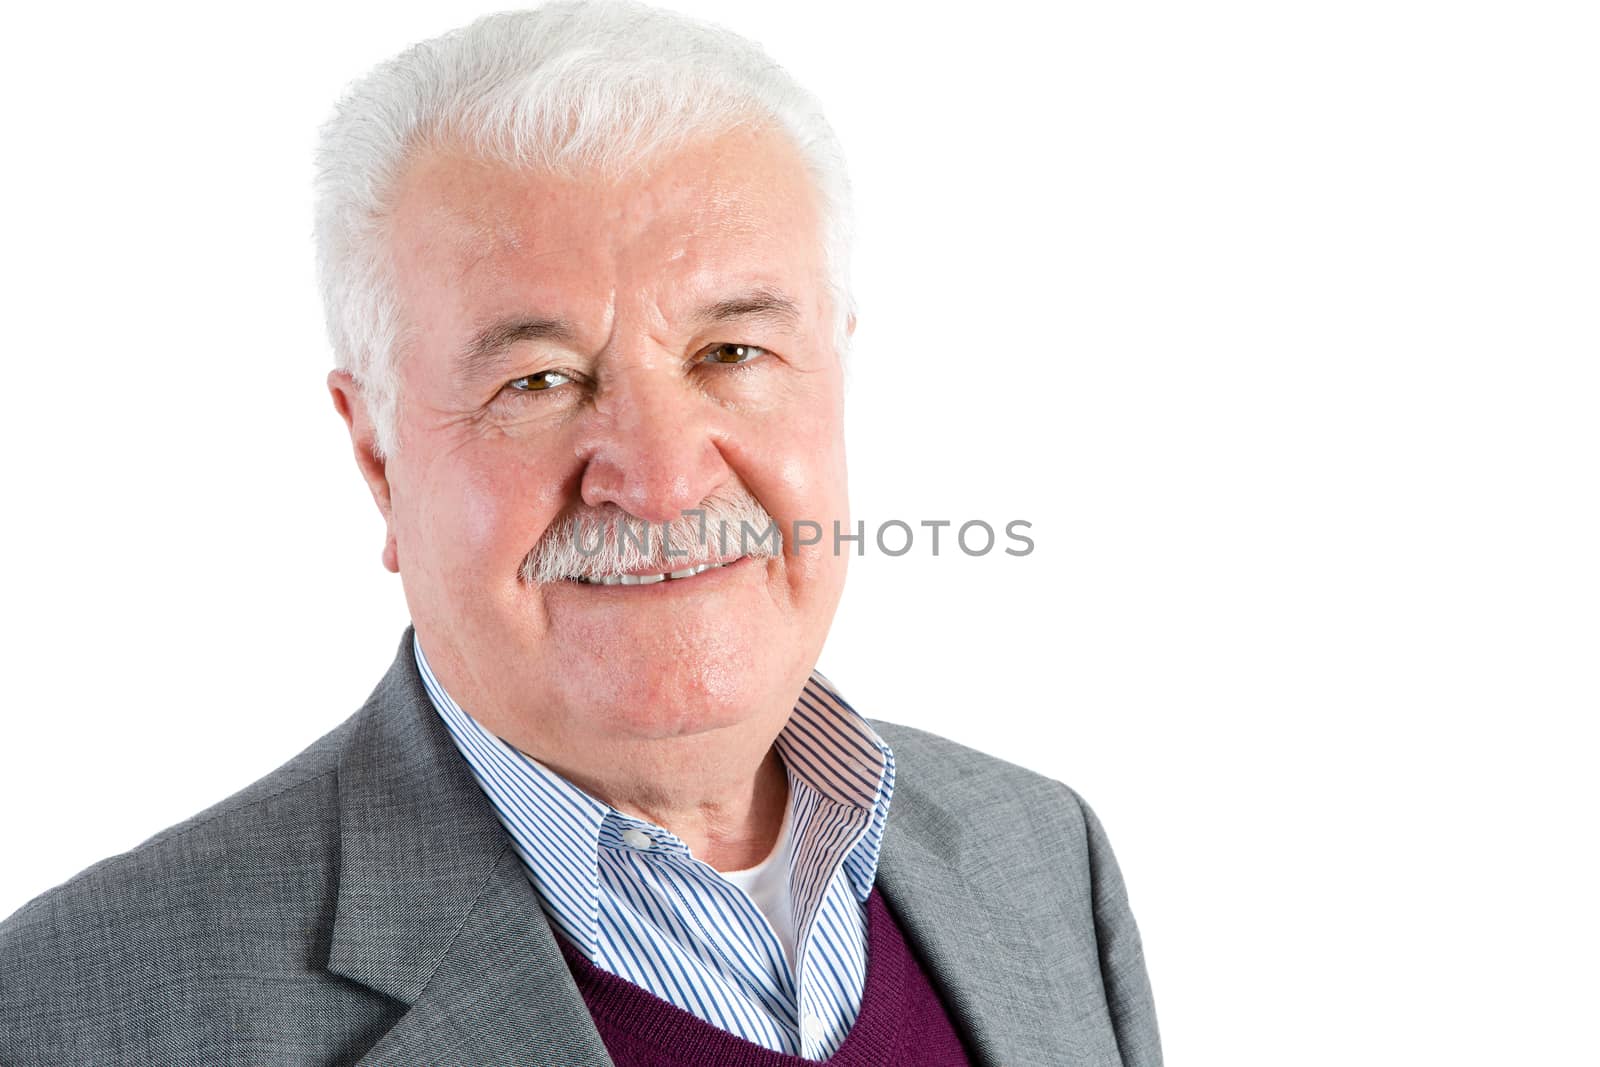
(651, 579)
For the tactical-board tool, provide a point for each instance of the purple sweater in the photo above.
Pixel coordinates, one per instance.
(902, 1023)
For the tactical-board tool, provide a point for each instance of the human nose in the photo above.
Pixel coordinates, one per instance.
(651, 449)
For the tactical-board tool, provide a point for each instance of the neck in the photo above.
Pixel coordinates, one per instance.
(729, 816)
(722, 791)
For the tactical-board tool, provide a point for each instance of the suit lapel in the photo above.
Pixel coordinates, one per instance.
(501, 994)
(979, 955)
(433, 906)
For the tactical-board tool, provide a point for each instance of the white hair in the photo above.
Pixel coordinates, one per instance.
(567, 88)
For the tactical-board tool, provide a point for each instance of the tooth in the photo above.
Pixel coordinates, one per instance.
(652, 579)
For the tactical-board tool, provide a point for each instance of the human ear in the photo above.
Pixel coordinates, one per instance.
(351, 405)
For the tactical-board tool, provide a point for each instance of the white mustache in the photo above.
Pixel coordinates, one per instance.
(606, 541)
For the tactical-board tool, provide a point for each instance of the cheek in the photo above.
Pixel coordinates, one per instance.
(808, 467)
(487, 512)
(795, 466)
(805, 492)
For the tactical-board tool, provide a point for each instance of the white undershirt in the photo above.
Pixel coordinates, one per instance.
(767, 885)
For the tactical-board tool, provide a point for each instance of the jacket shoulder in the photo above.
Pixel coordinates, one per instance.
(241, 893)
(967, 773)
(1046, 837)
(265, 807)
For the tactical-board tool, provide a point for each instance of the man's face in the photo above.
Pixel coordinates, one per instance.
(623, 300)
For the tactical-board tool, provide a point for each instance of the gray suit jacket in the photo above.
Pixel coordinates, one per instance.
(363, 904)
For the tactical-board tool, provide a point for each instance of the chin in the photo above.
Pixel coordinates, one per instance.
(648, 696)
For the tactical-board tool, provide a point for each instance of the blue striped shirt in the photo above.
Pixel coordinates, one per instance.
(643, 908)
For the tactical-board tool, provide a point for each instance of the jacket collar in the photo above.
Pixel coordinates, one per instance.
(433, 907)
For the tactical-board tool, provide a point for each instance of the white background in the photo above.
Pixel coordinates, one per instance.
(1278, 322)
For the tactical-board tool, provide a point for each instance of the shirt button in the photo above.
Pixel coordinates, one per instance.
(811, 1030)
(636, 838)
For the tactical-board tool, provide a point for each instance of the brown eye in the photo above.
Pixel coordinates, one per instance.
(731, 353)
(533, 383)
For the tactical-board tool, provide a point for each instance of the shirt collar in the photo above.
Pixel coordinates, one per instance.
(832, 755)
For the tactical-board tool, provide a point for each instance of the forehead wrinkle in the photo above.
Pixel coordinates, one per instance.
(491, 215)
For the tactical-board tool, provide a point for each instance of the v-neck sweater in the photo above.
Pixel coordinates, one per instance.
(902, 1021)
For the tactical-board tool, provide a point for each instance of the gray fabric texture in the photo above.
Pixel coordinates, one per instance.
(362, 904)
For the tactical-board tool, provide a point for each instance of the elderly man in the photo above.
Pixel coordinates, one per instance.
(586, 276)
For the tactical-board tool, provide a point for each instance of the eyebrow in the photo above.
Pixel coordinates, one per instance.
(762, 302)
(486, 351)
